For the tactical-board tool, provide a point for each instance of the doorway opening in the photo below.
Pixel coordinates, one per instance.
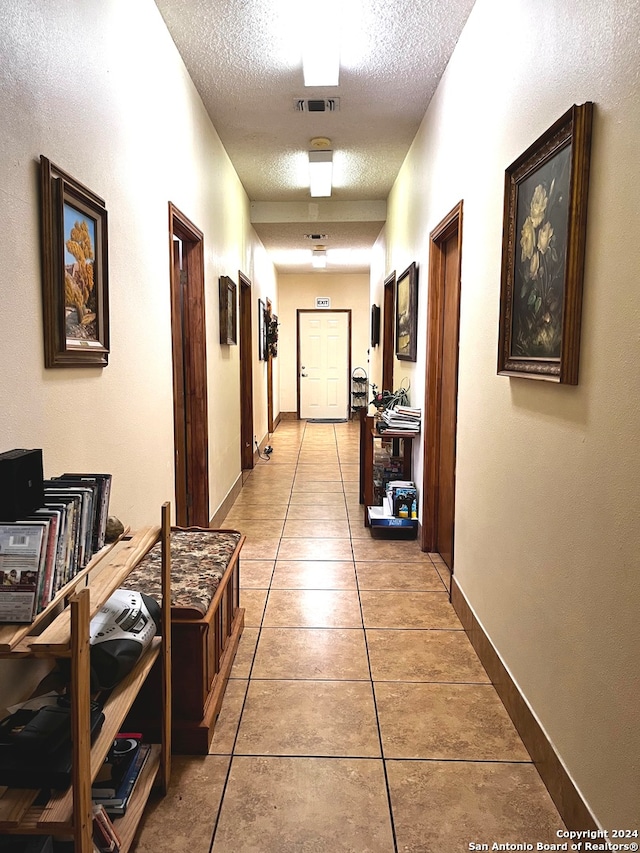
(190, 418)
(441, 391)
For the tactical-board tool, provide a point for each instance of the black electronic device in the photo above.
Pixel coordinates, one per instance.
(36, 748)
(21, 483)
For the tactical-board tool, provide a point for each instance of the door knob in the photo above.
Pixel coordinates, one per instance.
(303, 374)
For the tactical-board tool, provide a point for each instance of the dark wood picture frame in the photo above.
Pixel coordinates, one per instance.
(228, 311)
(75, 271)
(407, 314)
(375, 325)
(272, 336)
(262, 331)
(543, 249)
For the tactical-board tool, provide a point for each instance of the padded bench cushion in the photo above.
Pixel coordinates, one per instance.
(198, 561)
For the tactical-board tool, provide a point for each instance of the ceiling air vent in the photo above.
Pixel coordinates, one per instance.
(316, 105)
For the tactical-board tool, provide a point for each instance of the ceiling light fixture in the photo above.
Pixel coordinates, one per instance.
(320, 173)
(321, 50)
(319, 258)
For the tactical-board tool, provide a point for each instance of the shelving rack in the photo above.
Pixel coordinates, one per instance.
(359, 390)
(69, 813)
(383, 457)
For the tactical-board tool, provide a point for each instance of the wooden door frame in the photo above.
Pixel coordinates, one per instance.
(189, 351)
(435, 319)
(300, 311)
(246, 373)
(388, 329)
(269, 374)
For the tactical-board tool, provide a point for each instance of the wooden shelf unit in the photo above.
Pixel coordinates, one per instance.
(401, 444)
(69, 813)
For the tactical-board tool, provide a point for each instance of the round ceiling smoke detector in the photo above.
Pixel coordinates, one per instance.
(320, 143)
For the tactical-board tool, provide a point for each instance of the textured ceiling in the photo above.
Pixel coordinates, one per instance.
(244, 58)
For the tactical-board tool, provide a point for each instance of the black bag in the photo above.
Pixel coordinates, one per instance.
(36, 748)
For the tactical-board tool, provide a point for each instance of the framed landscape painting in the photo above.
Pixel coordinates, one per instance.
(228, 321)
(74, 271)
(407, 314)
(544, 235)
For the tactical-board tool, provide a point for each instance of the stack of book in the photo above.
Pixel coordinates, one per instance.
(404, 419)
(402, 499)
(116, 781)
(42, 552)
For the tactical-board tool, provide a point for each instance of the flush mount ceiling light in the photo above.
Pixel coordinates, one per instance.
(321, 48)
(319, 258)
(320, 169)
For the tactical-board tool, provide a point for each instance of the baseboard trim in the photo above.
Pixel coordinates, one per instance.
(276, 422)
(288, 416)
(227, 503)
(573, 810)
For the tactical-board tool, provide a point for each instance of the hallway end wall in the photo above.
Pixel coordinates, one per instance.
(348, 290)
(547, 542)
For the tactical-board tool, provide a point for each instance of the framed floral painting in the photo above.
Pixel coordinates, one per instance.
(543, 248)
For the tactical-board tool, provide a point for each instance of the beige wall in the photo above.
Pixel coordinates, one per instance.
(128, 123)
(300, 291)
(547, 498)
(100, 90)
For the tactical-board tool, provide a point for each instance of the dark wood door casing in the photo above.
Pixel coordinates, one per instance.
(269, 375)
(181, 447)
(246, 373)
(441, 387)
(188, 333)
(448, 404)
(388, 327)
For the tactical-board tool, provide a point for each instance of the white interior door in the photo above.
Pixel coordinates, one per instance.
(324, 364)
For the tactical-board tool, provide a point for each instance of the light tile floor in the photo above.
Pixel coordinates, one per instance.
(358, 717)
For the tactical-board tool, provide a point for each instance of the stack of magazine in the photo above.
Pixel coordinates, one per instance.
(42, 552)
(404, 419)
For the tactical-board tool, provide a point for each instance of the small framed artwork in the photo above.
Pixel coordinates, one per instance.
(407, 314)
(272, 336)
(228, 319)
(543, 248)
(262, 331)
(75, 271)
(375, 325)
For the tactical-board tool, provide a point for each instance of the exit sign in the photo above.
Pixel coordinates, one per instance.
(323, 302)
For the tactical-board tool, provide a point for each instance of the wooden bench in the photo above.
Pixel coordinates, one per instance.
(206, 624)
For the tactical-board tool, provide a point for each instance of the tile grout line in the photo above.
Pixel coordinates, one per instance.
(246, 693)
(249, 679)
(375, 708)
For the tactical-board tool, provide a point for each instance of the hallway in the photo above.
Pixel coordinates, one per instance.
(358, 717)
